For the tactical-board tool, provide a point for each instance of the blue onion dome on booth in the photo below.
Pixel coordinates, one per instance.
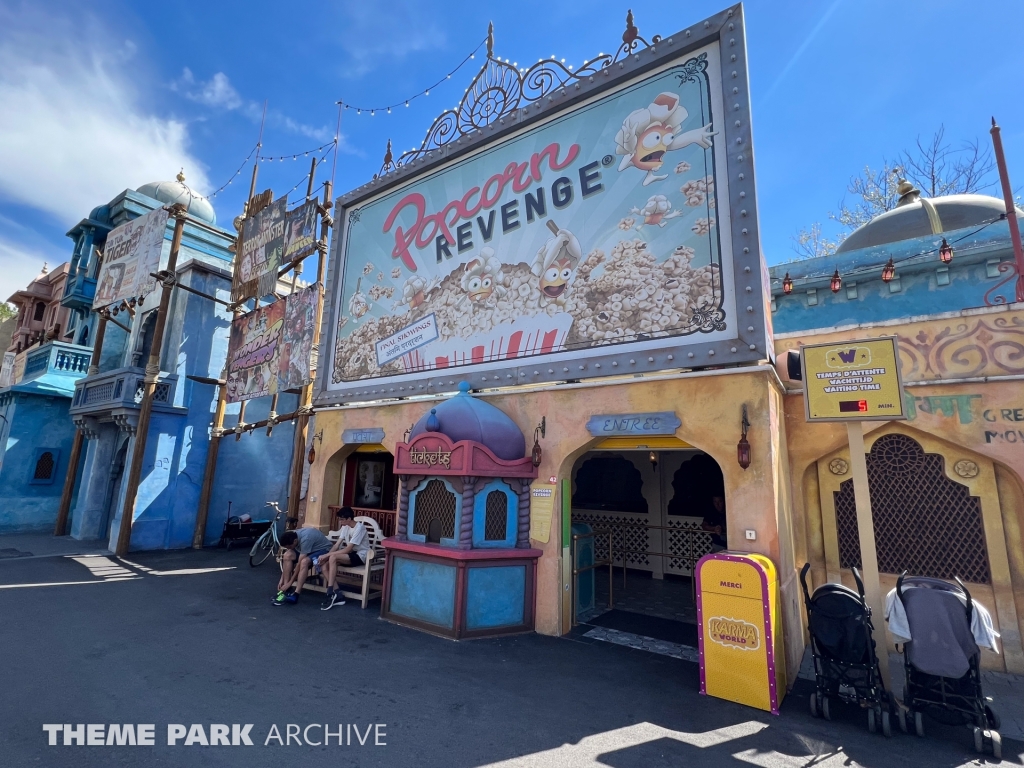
(171, 192)
(465, 417)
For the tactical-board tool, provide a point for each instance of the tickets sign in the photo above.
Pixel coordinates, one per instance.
(853, 380)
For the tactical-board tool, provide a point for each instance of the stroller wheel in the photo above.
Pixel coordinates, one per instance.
(814, 704)
(872, 727)
(979, 740)
(919, 724)
(901, 718)
(993, 718)
(824, 708)
(997, 745)
(886, 725)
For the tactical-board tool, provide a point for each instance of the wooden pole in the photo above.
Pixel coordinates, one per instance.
(60, 528)
(124, 535)
(211, 468)
(868, 553)
(1011, 209)
(306, 398)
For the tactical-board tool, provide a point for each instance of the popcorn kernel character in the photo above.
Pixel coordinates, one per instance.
(657, 211)
(647, 134)
(482, 277)
(556, 262)
(358, 305)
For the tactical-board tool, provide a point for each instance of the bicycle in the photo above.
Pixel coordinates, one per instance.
(268, 543)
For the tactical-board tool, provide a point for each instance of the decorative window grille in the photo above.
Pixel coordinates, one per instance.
(495, 516)
(924, 522)
(435, 502)
(44, 467)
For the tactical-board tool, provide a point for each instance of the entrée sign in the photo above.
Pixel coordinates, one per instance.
(627, 424)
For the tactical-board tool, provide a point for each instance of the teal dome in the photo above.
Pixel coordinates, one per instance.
(465, 417)
(171, 192)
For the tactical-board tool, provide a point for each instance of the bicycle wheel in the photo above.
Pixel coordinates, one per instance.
(262, 549)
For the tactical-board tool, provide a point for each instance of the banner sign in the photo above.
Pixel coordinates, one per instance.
(853, 380)
(270, 348)
(263, 238)
(299, 232)
(131, 254)
(580, 246)
(7, 372)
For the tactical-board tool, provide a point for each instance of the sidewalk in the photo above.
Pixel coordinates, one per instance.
(17, 546)
(1006, 691)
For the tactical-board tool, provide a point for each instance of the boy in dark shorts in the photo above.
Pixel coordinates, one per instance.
(301, 550)
(350, 549)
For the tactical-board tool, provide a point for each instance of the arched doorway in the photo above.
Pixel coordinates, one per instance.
(114, 483)
(362, 478)
(937, 510)
(652, 502)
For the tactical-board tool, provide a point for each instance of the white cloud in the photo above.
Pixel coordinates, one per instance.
(219, 93)
(215, 92)
(73, 132)
(369, 35)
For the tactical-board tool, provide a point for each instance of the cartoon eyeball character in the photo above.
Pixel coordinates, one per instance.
(648, 134)
(556, 262)
(482, 277)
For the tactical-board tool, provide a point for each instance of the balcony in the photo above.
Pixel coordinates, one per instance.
(116, 396)
(79, 292)
(56, 357)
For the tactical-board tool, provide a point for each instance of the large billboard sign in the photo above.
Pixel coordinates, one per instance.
(270, 349)
(130, 257)
(612, 229)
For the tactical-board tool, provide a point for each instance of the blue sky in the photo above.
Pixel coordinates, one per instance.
(101, 96)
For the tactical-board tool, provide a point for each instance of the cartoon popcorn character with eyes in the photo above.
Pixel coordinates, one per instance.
(648, 134)
(482, 277)
(555, 263)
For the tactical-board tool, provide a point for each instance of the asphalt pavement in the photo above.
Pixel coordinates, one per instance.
(191, 639)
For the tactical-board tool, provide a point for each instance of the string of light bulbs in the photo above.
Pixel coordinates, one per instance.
(945, 251)
(297, 155)
(425, 92)
(235, 174)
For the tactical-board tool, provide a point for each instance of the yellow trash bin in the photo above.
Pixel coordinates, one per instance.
(741, 656)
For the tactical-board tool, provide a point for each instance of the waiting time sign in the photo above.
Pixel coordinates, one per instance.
(853, 380)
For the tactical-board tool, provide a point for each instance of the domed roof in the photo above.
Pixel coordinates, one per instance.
(101, 213)
(177, 191)
(911, 218)
(465, 417)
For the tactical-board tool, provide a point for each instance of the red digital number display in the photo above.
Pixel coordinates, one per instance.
(853, 406)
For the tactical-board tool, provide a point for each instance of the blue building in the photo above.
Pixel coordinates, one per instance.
(106, 403)
(979, 273)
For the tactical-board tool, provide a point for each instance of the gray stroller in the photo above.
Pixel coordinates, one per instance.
(942, 661)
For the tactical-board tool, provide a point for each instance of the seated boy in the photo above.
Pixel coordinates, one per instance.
(301, 550)
(350, 549)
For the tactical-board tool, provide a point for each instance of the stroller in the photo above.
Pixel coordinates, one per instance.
(845, 663)
(942, 659)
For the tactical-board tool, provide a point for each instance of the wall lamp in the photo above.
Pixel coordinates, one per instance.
(743, 447)
(537, 455)
(317, 438)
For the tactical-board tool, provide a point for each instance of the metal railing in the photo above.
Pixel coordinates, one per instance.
(690, 554)
(596, 564)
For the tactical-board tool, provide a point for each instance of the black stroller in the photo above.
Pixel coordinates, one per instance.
(942, 660)
(845, 663)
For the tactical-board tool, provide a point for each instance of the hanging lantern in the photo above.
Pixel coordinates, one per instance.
(787, 284)
(311, 456)
(945, 252)
(888, 271)
(743, 447)
(537, 455)
(836, 283)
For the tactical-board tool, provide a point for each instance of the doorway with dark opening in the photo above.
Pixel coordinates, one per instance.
(660, 509)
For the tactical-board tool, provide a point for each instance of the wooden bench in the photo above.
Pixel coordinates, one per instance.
(368, 577)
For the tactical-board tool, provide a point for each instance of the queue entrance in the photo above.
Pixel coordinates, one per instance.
(653, 502)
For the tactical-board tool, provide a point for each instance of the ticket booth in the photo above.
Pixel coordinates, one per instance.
(738, 609)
